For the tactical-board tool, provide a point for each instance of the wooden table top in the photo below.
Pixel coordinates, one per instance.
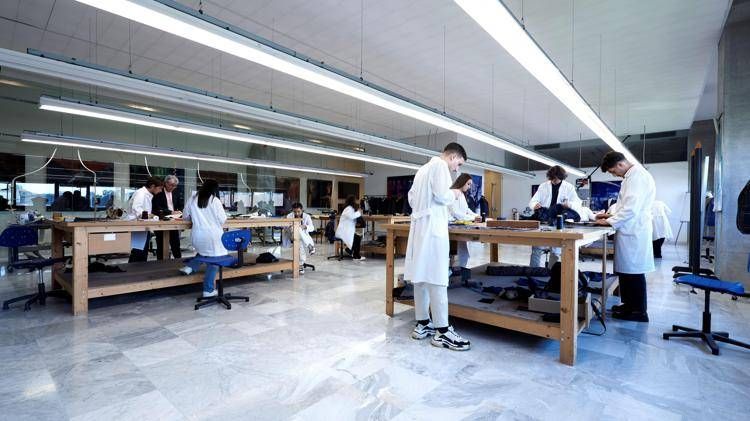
(174, 224)
(480, 229)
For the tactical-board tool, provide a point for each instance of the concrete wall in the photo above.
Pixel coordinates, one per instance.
(732, 247)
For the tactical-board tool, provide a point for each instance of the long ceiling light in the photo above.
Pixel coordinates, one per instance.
(80, 71)
(171, 17)
(113, 114)
(105, 145)
(500, 24)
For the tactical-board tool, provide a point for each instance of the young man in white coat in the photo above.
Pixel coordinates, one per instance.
(634, 255)
(307, 245)
(553, 191)
(138, 204)
(427, 260)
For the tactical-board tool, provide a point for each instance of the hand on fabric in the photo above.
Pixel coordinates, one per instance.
(602, 222)
(537, 206)
(603, 216)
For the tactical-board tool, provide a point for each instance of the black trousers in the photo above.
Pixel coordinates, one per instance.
(174, 244)
(633, 291)
(141, 255)
(356, 244)
(657, 248)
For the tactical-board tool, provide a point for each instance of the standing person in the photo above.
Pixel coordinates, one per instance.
(138, 204)
(306, 245)
(163, 204)
(207, 214)
(554, 191)
(427, 261)
(459, 210)
(347, 229)
(662, 229)
(634, 255)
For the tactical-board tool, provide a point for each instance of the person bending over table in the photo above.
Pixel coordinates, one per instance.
(553, 191)
(459, 210)
(347, 229)
(163, 204)
(207, 214)
(307, 245)
(138, 204)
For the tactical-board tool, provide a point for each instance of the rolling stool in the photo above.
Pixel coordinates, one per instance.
(341, 256)
(705, 333)
(232, 240)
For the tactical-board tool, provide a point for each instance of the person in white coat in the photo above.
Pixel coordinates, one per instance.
(553, 191)
(139, 203)
(426, 263)
(459, 211)
(207, 214)
(662, 228)
(347, 228)
(307, 245)
(634, 255)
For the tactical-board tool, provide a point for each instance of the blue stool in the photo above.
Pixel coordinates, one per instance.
(705, 333)
(232, 240)
(16, 236)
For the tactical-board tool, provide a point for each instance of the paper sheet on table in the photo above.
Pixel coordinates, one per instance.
(138, 240)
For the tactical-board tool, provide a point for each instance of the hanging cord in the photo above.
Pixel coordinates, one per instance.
(145, 159)
(598, 312)
(78, 151)
(13, 181)
(198, 169)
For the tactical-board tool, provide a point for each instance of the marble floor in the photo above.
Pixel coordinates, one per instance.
(322, 348)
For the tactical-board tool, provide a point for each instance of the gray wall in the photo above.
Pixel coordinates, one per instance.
(732, 248)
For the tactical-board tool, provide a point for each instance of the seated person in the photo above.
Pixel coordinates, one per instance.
(207, 214)
(459, 211)
(307, 245)
(553, 191)
(347, 228)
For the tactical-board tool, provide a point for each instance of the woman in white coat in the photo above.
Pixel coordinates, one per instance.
(634, 255)
(207, 214)
(662, 229)
(459, 211)
(347, 228)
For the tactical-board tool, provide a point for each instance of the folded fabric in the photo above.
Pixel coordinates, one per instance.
(517, 271)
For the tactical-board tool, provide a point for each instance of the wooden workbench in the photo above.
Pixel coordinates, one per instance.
(370, 219)
(569, 240)
(91, 237)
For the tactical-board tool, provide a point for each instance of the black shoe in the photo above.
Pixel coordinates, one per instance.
(451, 340)
(620, 308)
(633, 316)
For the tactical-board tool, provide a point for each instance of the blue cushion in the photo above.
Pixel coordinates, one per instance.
(701, 282)
(224, 261)
(19, 235)
(236, 240)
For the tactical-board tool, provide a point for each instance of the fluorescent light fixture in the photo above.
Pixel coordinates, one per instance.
(171, 17)
(79, 71)
(103, 145)
(242, 127)
(112, 114)
(500, 24)
(142, 108)
(358, 149)
(315, 141)
(13, 83)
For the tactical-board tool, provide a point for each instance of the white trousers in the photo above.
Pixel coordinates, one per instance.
(429, 297)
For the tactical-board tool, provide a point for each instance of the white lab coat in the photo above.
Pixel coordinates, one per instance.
(662, 228)
(427, 251)
(587, 214)
(634, 252)
(139, 202)
(207, 226)
(347, 225)
(567, 191)
(459, 209)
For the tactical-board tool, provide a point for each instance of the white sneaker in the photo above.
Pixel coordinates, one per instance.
(361, 258)
(311, 250)
(450, 340)
(301, 271)
(422, 331)
(186, 270)
(213, 293)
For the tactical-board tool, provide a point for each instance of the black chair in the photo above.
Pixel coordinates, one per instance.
(16, 236)
(339, 243)
(705, 333)
(232, 240)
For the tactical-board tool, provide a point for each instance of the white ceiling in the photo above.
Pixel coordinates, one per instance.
(651, 71)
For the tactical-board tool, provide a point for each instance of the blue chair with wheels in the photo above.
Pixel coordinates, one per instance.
(709, 337)
(232, 240)
(16, 236)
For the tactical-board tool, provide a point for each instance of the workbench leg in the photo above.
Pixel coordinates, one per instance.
(165, 244)
(494, 253)
(295, 249)
(390, 249)
(569, 303)
(80, 271)
(605, 288)
(373, 230)
(57, 251)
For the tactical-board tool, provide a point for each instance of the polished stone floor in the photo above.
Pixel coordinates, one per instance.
(322, 348)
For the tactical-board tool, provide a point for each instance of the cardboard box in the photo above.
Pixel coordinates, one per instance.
(542, 305)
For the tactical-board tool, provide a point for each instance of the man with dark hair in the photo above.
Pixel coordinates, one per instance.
(427, 252)
(631, 216)
(140, 203)
(554, 191)
(307, 245)
(165, 203)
